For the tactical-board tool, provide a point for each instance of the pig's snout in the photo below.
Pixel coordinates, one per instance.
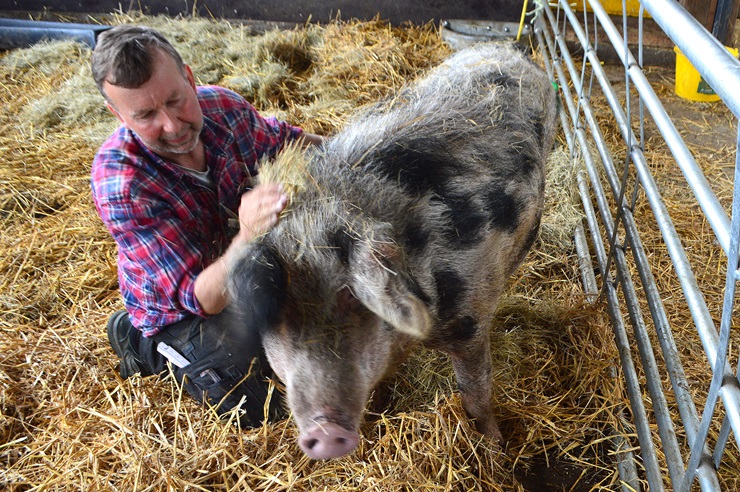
(327, 440)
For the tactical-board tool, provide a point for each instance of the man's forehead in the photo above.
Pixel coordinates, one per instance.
(145, 105)
(165, 84)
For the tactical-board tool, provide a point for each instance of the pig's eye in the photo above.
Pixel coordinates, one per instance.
(346, 300)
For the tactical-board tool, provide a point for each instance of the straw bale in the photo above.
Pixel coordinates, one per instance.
(49, 58)
(61, 96)
(69, 422)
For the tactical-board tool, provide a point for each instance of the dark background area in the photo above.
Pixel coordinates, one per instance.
(395, 11)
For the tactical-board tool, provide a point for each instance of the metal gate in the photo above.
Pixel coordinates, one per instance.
(611, 239)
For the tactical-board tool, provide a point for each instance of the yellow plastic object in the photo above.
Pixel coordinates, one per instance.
(689, 82)
(614, 7)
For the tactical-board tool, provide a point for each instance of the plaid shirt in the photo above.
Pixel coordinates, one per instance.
(168, 226)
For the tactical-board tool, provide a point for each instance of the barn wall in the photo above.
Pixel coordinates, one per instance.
(396, 11)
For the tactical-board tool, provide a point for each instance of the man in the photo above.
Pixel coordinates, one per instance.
(166, 184)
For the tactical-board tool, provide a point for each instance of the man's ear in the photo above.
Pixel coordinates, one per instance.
(189, 75)
(113, 110)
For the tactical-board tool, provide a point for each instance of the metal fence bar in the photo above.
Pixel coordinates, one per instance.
(660, 406)
(625, 457)
(733, 383)
(650, 463)
(732, 277)
(705, 326)
(725, 82)
(715, 213)
(588, 279)
(718, 67)
(691, 290)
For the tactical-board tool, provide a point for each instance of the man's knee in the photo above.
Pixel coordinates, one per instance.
(226, 368)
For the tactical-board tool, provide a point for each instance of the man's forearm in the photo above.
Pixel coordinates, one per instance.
(210, 285)
(258, 212)
(307, 139)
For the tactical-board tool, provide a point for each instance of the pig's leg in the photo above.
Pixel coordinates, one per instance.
(473, 367)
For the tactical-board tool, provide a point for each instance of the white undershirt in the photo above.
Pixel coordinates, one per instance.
(203, 177)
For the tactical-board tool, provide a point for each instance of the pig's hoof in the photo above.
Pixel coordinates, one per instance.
(491, 431)
(328, 440)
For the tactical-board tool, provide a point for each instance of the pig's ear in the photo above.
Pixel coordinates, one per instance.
(257, 286)
(384, 290)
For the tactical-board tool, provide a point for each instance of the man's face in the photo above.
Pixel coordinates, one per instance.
(164, 112)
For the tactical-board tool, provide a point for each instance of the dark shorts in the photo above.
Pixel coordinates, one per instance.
(227, 365)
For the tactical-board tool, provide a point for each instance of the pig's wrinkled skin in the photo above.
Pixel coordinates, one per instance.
(408, 225)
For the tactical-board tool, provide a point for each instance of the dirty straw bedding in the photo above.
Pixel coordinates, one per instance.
(70, 423)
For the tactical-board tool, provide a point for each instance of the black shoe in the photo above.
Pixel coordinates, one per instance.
(119, 334)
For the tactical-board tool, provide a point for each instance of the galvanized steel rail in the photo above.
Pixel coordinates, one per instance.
(609, 189)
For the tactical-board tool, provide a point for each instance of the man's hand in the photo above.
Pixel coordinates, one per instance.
(259, 210)
(306, 139)
(258, 213)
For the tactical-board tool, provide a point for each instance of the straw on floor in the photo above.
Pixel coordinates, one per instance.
(70, 423)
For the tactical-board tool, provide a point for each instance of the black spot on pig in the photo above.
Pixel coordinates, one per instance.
(467, 220)
(415, 234)
(419, 165)
(342, 241)
(460, 330)
(504, 80)
(450, 289)
(539, 127)
(525, 163)
(502, 207)
(261, 283)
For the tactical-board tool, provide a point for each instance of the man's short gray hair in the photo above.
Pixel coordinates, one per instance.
(124, 56)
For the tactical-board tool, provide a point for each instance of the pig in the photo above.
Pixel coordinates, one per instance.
(402, 230)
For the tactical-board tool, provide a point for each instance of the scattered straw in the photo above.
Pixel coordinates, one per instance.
(70, 423)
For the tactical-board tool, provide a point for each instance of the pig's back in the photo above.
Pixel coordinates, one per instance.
(461, 153)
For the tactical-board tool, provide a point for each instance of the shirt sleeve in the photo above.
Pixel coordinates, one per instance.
(255, 136)
(271, 134)
(155, 255)
(159, 255)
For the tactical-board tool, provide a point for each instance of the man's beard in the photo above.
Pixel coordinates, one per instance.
(163, 148)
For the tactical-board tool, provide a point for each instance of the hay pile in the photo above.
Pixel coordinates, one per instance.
(70, 423)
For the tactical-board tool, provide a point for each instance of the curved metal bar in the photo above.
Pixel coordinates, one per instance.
(704, 324)
(718, 67)
(634, 393)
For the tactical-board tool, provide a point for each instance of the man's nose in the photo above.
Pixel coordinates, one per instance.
(170, 122)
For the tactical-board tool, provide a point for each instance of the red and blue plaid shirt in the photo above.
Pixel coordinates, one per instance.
(168, 226)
